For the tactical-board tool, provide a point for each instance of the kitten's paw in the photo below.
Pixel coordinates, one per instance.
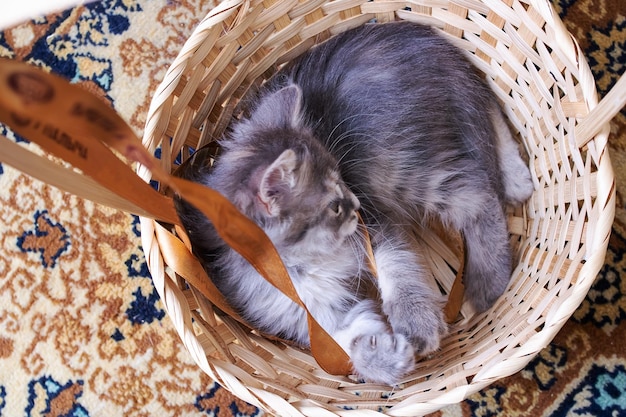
(422, 323)
(382, 357)
(518, 184)
(483, 293)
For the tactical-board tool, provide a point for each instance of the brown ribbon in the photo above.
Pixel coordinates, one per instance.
(79, 128)
(72, 124)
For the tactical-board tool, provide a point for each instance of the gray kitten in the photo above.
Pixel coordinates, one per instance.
(389, 119)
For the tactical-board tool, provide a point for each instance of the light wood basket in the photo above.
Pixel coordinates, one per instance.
(560, 236)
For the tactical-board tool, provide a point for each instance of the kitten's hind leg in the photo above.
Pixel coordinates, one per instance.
(377, 354)
(516, 179)
(488, 260)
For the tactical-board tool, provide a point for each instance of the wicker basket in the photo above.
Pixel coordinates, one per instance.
(560, 236)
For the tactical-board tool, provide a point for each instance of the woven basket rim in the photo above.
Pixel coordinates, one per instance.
(573, 205)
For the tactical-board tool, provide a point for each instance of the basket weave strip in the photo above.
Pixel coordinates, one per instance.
(560, 236)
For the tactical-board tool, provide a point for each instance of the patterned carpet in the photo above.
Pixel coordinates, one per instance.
(82, 331)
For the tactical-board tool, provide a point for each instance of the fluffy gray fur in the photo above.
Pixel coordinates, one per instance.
(394, 121)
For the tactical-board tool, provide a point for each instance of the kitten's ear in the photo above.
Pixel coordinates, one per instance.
(282, 108)
(278, 179)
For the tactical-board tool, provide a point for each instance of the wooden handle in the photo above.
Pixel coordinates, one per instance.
(612, 103)
(74, 125)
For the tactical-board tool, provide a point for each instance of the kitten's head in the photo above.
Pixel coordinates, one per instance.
(296, 192)
(304, 204)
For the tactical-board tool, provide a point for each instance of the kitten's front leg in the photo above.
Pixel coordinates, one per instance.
(377, 354)
(411, 305)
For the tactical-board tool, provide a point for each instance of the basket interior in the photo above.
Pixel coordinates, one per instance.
(558, 236)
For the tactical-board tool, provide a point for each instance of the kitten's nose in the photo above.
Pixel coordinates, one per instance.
(355, 202)
(356, 205)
